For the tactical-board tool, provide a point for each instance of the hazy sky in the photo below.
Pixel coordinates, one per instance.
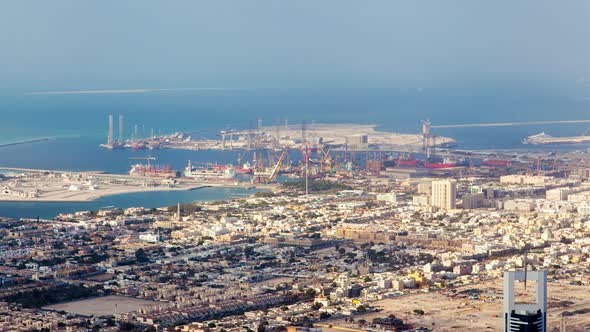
(114, 44)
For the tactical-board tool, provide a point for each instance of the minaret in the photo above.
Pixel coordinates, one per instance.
(178, 217)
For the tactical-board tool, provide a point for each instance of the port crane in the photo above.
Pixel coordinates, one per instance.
(277, 168)
(326, 161)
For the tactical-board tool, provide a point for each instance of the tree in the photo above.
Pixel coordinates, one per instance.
(262, 327)
(248, 251)
(361, 309)
(317, 306)
(141, 256)
(419, 312)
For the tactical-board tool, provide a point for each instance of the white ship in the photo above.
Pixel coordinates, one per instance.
(210, 172)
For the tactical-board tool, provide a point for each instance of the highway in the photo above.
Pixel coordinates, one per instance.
(505, 124)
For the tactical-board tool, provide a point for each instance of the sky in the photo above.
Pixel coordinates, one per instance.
(529, 45)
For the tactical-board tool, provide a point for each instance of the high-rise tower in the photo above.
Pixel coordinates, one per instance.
(525, 317)
(443, 194)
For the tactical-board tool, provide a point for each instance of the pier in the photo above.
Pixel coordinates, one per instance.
(25, 142)
(506, 124)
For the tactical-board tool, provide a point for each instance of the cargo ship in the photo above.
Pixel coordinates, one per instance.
(447, 163)
(244, 169)
(210, 172)
(543, 138)
(407, 162)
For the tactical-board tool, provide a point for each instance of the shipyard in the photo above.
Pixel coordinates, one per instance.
(295, 166)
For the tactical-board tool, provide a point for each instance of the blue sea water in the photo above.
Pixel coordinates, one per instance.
(77, 124)
(48, 210)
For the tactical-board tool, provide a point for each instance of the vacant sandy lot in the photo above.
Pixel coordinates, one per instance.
(443, 313)
(103, 306)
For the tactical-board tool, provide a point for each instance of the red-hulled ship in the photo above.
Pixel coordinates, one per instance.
(407, 162)
(447, 163)
(439, 165)
(244, 169)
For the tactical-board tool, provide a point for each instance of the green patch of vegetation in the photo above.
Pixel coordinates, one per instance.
(37, 298)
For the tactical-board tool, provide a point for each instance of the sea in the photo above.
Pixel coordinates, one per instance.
(77, 123)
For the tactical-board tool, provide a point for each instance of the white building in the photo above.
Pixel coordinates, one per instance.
(388, 197)
(557, 194)
(444, 194)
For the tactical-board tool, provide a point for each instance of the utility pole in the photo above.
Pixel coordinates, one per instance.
(306, 160)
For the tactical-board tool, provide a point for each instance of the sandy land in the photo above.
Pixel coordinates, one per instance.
(337, 134)
(103, 306)
(80, 187)
(59, 186)
(65, 195)
(462, 314)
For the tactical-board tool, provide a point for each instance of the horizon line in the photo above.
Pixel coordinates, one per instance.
(127, 91)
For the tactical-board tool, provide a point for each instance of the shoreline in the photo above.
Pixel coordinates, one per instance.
(92, 198)
(108, 185)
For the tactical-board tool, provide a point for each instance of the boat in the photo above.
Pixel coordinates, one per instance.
(244, 169)
(439, 165)
(407, 162)
(447, 163)
(210, 172)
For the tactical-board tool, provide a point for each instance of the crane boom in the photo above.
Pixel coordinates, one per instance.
(277, 168)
